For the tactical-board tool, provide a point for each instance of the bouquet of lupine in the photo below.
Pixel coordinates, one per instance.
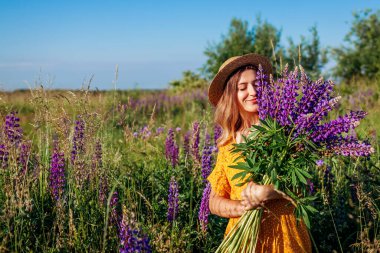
(283, 149)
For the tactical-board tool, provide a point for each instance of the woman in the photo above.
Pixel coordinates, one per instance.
(233, 92)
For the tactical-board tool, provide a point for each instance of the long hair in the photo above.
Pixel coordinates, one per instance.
(227, 112)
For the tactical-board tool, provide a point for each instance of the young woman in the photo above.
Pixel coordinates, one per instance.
(233, 92)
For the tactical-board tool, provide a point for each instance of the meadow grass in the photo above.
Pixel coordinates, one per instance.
(132, 162)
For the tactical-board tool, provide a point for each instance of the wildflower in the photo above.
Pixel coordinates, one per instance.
(265, 92)
(186, 143)
(145, 132)
(12, 129)
(103, 189)
(204, 209)
(178, 129)
(97, 158)
(217, 133)
(4, 154)
(24, 156)
(135, 134)
(57, 172)
(195, 143)
(335, 127)
(131, 239)
(320, 163)
(114, 219)
(78, 139)
(349, 146)
(160, 130)
(173, 200)
(311, 186)
(288, 97)
(171, 148)
(206, 162)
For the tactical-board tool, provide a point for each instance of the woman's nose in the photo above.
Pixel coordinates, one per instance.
(251, 89)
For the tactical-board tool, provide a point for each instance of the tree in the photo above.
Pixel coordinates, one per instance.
(308, 54)
(190, 80)
(263, 39)
(362, 58)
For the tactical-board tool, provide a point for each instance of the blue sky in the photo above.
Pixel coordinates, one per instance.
(65, 42)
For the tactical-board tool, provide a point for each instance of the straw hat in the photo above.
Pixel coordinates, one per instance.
(216, 88)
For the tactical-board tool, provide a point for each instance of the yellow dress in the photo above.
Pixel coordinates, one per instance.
(278, 231)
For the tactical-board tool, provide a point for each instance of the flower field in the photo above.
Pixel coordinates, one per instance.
(94, 171)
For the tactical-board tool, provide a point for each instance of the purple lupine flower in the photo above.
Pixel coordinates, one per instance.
(135, 134)
(349, 146)
(207, 141)
(206, 162)
(204, 209)
(57, 173)
(311, 186)
(97, 158)
(132, 239)
(173, 200)
(4, 154)
(343, 124)
(264, 93)
(24, 156)
(186, 143)
(177, 129)
(320, 163)
(195, 142)
(159, 130)
(306, 122)
(145, 132)
(103, 189)
(12, 129)
(313, 93)
(171, 148)
(288, 98)
(114, 218)
(217, 134)
(352, 133)
(78, 139)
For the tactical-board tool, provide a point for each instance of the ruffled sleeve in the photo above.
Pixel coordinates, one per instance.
(218, 177)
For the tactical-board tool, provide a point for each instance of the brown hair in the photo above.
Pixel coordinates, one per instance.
(227, 113)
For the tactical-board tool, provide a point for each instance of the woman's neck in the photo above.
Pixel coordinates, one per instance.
(245, 128)
(249, 120)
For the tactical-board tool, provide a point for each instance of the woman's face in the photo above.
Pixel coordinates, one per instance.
(246, 93)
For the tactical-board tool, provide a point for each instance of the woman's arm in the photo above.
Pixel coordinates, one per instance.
(228, 208)
(224, 207)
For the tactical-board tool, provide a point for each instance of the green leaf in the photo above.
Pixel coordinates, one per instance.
(240, 174)
(311, 209)
(294, 179)
(305, 173)
(260, 128)
(300, 176)
(240, 166)
(305, 217)
(250, 163)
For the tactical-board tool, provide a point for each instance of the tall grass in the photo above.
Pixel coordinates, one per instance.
(132, 163)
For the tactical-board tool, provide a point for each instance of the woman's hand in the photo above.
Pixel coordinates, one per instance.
(255, 195)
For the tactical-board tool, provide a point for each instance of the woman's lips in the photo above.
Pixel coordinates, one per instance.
(252, 100)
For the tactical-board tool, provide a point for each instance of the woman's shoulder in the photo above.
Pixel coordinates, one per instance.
(226, 143)
(226, 147)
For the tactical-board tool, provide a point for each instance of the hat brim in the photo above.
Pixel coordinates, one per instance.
(218, 84)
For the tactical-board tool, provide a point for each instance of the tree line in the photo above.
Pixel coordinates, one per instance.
(359, 58)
